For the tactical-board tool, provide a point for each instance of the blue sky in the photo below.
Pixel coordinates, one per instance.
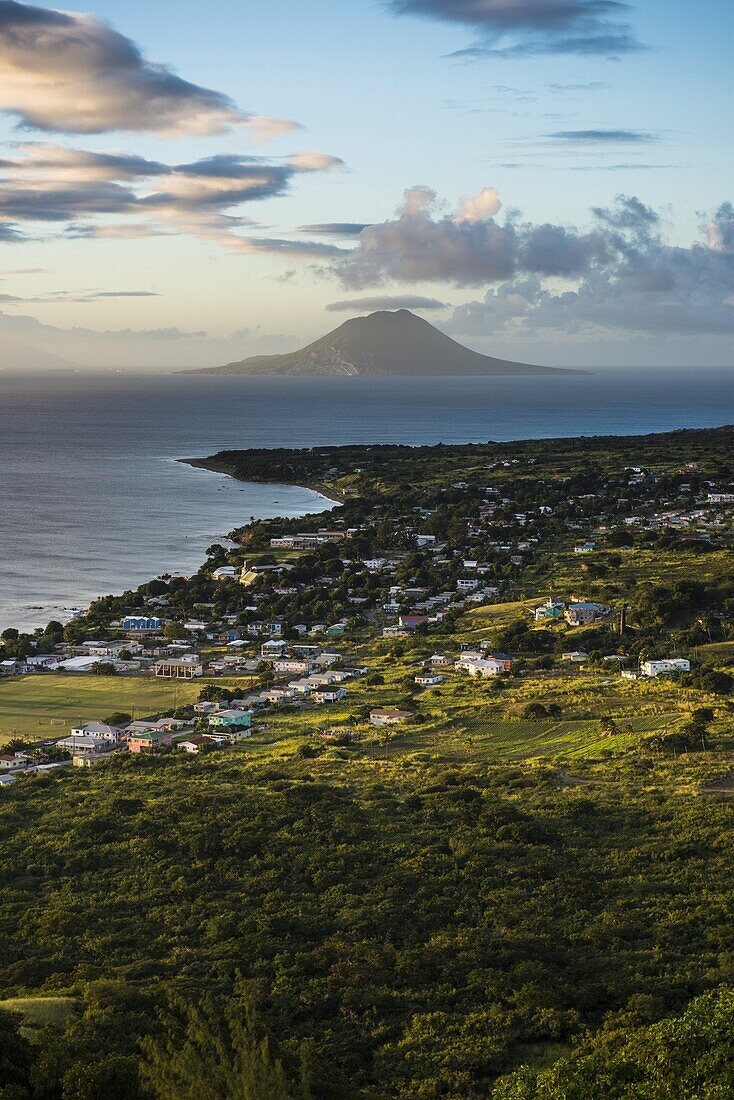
(390, 101)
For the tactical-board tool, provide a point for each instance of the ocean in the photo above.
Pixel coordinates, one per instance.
(93, 499)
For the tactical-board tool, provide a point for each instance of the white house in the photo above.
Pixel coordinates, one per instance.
(328, 695)
(97, 729)
(84, 743)
(428, 679)
(194, 745)
(467, 584)
(484, 667)
(383, 716)
(660, 668)
(47, 661)
(11, 763)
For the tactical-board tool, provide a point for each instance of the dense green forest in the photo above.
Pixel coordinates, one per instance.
(402, 930)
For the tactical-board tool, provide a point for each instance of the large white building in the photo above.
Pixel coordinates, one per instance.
(660, 668)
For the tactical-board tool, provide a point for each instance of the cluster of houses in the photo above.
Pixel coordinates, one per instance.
(479, 663)
(93, 742)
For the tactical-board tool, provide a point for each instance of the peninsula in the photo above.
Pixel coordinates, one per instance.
(383, 344)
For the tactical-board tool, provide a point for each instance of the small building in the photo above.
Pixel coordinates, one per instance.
(11, 667)
(230, 718)
(328, 695)
(108, 650)
(11, 763)
(141, 624)
(81, 664)
(583, 612)
(46, 662)
(225, 573)
(412, 622)
(198, 744)
(551, 609)
(664, 667)
(483, 667)
(575, 656)
(428, 679)
(83, 743)
(385, 716)
(100, 730)
(179, 668)
(150, 741)
(292, 666)
(89, 759)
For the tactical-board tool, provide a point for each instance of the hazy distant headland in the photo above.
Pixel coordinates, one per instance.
(383, 344)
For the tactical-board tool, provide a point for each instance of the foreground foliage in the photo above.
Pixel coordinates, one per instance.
(689, 1056)
(409, 930)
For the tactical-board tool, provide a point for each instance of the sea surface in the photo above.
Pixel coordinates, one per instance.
(92, 499)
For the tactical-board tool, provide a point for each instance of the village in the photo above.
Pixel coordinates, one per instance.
(287, 619)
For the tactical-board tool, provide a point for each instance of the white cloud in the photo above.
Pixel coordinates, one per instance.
(71, 73)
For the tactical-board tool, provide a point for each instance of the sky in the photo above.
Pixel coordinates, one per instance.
(545, 180)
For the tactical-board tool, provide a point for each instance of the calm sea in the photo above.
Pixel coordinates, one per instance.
(92, 500)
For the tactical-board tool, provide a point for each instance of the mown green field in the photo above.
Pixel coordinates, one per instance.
(47, 705)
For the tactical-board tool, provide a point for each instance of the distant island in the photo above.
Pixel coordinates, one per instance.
(383, 344)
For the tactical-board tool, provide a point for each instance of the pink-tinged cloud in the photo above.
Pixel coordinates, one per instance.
(69, 72)
(123, 196)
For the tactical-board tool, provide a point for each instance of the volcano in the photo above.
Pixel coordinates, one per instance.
(383, 344)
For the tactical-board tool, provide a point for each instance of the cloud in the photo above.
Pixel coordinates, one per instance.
(720, 230)
(467, 248)
(385, 301)
(606, 137)
(484, 205)
(335, 229)
(526, 28)
(157, 347)
(24, 271)
(590, 86)
(121, 196)
(618, 274)
(314, 162)
(69, 72)
(645, 285)
(84, 297)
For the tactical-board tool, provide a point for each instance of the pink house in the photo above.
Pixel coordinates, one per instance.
(150, 740)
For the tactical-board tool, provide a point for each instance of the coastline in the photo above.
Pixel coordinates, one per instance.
(223, 468)
(65, 608)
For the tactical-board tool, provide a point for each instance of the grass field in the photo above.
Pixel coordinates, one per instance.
(47, 705)
(37, 1012)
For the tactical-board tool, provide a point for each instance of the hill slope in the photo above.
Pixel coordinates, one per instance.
(15, 356)
(383, 344)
